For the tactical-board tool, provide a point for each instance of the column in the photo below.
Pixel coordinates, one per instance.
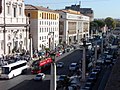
(53, 76)
(84, 64)
(95, 54)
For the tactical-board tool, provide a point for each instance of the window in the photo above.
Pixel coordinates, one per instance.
(40, 14)
(40, 22)
(28, 14)
(5, 70)
(21, 36)
(40, 38)
(40, 30)
(8, 37)
(20, 11)
(18, 66)
(8, 9)
(45, 29)
(2, 44)
(14, 12)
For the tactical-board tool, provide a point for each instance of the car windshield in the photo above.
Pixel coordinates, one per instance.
(61, 77)
(87, 85)
(60, 63)
(93, 75)
(72, 65)
(38, 75)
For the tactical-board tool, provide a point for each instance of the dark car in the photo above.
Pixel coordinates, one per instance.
(62, 81)
(93, 75)
(88, 86)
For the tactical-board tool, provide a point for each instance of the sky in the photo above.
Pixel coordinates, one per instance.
(101, 8)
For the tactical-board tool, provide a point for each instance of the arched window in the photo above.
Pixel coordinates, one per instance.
(9, 37)
(21, 36)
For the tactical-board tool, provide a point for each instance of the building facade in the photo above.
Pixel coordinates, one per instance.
(73, 26)
(44, 27)
(13, 27)
(85, 11)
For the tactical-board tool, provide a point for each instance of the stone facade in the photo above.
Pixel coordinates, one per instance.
(13, 27)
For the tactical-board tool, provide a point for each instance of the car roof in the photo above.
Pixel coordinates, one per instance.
(73, 63)
(40, 73)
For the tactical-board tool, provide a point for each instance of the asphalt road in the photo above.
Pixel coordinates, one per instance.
(26, 82)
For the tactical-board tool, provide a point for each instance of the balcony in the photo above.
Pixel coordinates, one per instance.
(10, 20)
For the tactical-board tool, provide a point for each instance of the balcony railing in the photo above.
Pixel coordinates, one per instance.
(10, 20)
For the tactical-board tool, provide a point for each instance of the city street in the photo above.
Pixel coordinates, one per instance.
(26, 82)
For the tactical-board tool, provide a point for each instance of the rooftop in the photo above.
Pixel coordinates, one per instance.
(41, 8)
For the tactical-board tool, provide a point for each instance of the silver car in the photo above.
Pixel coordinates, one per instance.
(39, 76)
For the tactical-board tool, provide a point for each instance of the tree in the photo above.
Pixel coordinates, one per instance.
(93, 26)
(96, 25)
(110, 22)
(100, 23)
(117, 23)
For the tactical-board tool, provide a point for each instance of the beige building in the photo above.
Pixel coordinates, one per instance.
(44, 27)
(73, 26)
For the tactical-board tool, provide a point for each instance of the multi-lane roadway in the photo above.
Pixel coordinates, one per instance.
(26, 82)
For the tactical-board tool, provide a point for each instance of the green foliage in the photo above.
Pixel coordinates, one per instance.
(110, 22)
(117, 23)
(100, 23)
(97, 25)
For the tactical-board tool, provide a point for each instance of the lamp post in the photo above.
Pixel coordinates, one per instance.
(78, 36)
(27, 30)
(95, 53)
(102, 43)
(31, 51)
(4, 31)
(53, 46)
(53, 73)
(68, 37)
(84, 59)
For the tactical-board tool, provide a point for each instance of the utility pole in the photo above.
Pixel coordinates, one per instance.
(68, 37)
(84, 59)
(102, 44)
(53, 73)
(84, 62)
(4, 31)
(95, 54)
(78, 36)
(31, 51)
(27, 28)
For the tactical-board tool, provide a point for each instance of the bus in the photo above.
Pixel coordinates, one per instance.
(41, 65)
(11, 70)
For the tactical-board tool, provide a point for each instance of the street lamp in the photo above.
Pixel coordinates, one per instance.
(53, 73)
(84, 58)
(102, 43)
(4, 31)
(31, 51)
(53, 46)
(95, 61)
(68, 37)
(78, 36)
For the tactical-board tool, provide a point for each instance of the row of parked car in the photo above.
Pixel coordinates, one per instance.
(92, 78)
